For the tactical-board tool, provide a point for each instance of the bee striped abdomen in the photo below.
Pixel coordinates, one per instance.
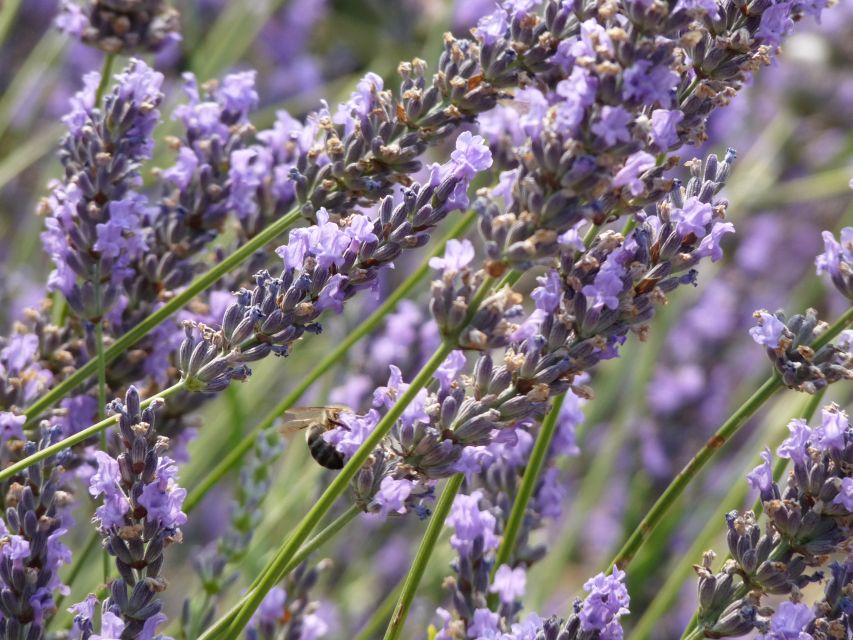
(324, 453)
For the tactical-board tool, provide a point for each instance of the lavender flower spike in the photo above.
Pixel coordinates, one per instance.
(140, 515)
(93, 229)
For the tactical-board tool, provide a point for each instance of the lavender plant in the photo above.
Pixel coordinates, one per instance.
(558, 126)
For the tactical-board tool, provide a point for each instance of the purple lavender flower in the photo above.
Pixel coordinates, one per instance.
(629, 175)
(837, 260)
(789, 622)
(770, 330)
(470, 524)
(608, 600)
(140, 515)
(509, 583)
(392, 496)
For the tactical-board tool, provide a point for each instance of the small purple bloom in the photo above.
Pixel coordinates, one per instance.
(509, 583)
(837, 256)
(794, 447)
(605, 289)
(789, 622)
(106, 479)
(471, 155)
(845, 494)
(833, 428)
(348, 439)
(11, 427)
(607, 601)
(449, 369)
(457, 256)
(392, 495)
(761, 478)
(776, 21)
(710, 244)
(612, 127)
(693, 218)
(112, 627)
(548, 294)
(491, 27)
(649, 84)
(163, 498)
(271, 608)
(469, 523)
(635, 166)
(769, 331)
(664, 126)
(484, 624)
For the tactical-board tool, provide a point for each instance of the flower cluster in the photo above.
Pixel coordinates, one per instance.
(32, 551)
(324, 265)
(121, 26)
(93, 232)
(800, 366)
(139, 517)
(806, 522)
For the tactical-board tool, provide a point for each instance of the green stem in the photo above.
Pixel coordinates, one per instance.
(528, 483)
(729, 428)
(123, 343)
(427, 546)
(7, 18)
(236, 453)
(102, 385)
(80, 436)
(685, 476)
(106, 76)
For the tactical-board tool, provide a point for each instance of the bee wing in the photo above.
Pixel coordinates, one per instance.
(300, 418)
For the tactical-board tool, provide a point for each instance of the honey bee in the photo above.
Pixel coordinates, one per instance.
(316, 421)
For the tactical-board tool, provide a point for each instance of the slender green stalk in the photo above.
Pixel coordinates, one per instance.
(79, 437)
(102, 377)
(528, 483)
(106, 76)
(102, 403)
(123, 343)
(685, 476)
(427, 546)
(730, 427)
(236, 453)
(7, 17)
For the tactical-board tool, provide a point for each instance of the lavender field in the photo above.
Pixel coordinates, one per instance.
(426, 319)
